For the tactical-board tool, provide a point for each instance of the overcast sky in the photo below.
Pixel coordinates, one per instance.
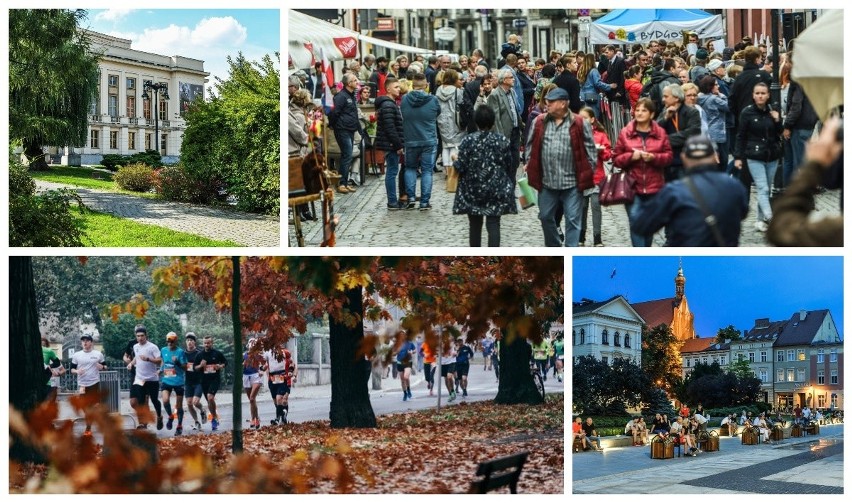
(208, 35)
(721, 291)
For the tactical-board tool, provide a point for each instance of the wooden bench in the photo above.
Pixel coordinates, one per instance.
(500, 472)
(577, 446)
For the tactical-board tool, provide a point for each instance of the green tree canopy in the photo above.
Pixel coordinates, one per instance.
(53, 78)
(727, 333)
(116, 334)
(599, 388)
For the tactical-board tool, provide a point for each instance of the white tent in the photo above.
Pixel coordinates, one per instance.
(632, 26)
(307, 35)
(818, 62)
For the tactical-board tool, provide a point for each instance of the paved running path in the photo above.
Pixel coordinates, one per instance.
(247, 229)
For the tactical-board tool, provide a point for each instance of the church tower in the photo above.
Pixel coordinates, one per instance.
(680, 282)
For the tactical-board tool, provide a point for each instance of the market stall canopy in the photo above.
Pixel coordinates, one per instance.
(307, 35)
(818, 62)
(640, 26)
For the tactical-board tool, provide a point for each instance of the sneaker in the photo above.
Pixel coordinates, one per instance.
(159, 422)
(170, 423)
(409, 206)
(274, 422)
(452, 396)
(464, 392)
(394, 207)
(761, 226)
(203, 417)
(179, 431)
(214, 424)
(426, 207)
(197, 426)
(581, 243)
(404, 396)
(599, 245)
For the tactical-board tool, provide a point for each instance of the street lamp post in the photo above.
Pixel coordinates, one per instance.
(150, 86)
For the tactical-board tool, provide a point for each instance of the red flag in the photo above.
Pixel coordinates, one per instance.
(328, 81)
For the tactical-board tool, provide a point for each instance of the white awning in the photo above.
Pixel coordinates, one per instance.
(307, 35)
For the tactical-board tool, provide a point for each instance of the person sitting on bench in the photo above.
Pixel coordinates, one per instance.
(592, 434)
(760, 423)
(578, 432)
(660, 426)
(731, 422)
(640, 431)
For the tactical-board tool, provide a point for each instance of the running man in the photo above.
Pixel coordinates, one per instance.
(448, 370)
(147, 382)
(463, 365)
(404, 362)
(209, 362)
(52, 365)
(428, 366)
(87, 364)
(282, 373)
(174, 379)
(193, 383)
(487, 348)
(540, 357)
(559, 351)
(252, 381)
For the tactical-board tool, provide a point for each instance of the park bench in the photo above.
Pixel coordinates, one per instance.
(812, 429)
(750, 436)
(663, 447)
(577, 445)
(777, 433)
(500, 472)
(796, 431)
(708, 441)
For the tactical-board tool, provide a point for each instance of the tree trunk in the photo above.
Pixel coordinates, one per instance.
(237, 439)
(516, 384)
(350, 370)
(35, 155)
(26, 366)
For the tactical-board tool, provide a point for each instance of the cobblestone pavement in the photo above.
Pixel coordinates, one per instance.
(365, 221)
(247, 229)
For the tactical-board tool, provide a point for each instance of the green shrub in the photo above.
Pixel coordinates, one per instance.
(113, 161)
(136, 177)
(41, 220)
(175, 184)
(149, 157)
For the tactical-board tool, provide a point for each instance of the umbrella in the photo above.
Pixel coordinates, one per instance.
(818, 61)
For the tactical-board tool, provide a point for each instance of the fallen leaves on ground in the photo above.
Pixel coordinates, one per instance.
(412, 452)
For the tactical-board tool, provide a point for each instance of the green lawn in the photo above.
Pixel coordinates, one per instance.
(106, 230)
(87, 178)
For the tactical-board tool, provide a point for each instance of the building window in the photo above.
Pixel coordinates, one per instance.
(821, 377)
(791, 375)
(820, 356)
(113, 80)
(113, 139)
(164, 109)
(605, 337)
(582, 336)
(131, 83)
(790, 355)
(763, 374)
(722, 360)
(146, 109)
(148, 141)
(832, 357)
(131, 106)
(131, 140)
(616, 338)
(686, 360)
(834, 376)
(779, 376)
(833, 400)
(626, 340)
(751, 356)
(763, 357)
(112, 105)
(800, 355)
(800, 375)
(163, 138)
(740, 356)
(94, 139)
(605, 360)
(821, 401)
(780, 357)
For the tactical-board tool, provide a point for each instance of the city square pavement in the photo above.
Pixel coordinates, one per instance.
(806, 465)
(365, 221)
(224, 224)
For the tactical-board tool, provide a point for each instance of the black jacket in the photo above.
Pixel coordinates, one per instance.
(568, 81)
(389, 135)
(344, 117)
(471, 93)
(743, 86)
(758, 135)
(800, 112)
(675, 208)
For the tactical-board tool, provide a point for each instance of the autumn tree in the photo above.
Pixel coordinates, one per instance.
(53, 80)
(661, 356)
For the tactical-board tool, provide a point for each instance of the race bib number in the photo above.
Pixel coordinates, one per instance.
(278, 378)
(170, 372)
(210, 369)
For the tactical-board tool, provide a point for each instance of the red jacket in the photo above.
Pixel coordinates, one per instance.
(582, 169)
(647, 177)
(634, 89)
(601, 138)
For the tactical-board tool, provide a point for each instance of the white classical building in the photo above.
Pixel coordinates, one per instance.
(121, 120)
(607, 330)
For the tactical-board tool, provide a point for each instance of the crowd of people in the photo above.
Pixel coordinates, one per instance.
(699, 129)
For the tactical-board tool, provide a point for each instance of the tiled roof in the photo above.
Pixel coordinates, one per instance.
(801, 332)
(587, 306)
(767, 332)
(697, 345)
(656, 312)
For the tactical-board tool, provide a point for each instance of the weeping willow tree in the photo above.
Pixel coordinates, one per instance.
(53, 79)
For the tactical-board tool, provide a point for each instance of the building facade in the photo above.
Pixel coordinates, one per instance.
(607, 330)
(121, 119)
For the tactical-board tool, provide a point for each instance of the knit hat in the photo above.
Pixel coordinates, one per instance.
(713, 64)
(701, 54)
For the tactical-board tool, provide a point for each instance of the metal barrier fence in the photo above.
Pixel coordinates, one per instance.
(119, 378)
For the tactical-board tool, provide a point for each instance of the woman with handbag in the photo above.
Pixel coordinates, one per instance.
(486, 185)
(643, 151)
(758, 143)
(591, 84)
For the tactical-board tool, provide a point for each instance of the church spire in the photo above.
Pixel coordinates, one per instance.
(680, 282)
